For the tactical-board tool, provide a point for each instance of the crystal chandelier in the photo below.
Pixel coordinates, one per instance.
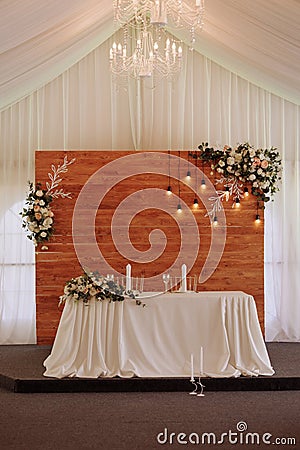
(174, 13)
(149, 54)
(146, 49)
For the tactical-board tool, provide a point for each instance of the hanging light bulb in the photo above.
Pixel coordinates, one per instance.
(196, 203)
(215, 221)
(203, 184)
(179, 208)
(237, 202)
(257, 218)
(169, 190)
(227, 193)
(246, 192)
(188, 174)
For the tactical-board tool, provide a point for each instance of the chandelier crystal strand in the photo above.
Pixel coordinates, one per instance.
(176, 13)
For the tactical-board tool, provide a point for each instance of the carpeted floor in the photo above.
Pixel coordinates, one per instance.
(135, 420)
(132, 421)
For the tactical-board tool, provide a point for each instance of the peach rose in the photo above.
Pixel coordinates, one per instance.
(38, 216)
(256, 161)
(264, 164)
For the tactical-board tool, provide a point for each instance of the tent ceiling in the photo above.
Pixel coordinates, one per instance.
(256, 39)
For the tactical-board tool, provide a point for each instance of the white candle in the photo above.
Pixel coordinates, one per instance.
(183, 276)
(192, 367)
(128, 277)
(201, 361)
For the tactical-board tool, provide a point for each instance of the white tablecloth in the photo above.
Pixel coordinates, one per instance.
(108, 339)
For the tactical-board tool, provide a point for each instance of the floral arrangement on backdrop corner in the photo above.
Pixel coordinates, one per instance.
(38, 217)
(93, 285)
(242, 166)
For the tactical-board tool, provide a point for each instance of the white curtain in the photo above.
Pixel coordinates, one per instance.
(17, 281)
(82, 108)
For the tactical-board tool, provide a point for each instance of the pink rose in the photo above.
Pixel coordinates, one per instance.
(264, 164)
(256, 161)
(38, 216)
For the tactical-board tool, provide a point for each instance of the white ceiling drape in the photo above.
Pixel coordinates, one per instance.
(39, 40)
(256, 39)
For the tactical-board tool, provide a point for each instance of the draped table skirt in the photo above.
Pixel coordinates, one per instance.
(105, 339)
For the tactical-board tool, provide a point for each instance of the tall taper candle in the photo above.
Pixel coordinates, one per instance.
(201, 361)
(192, 367)
(128, 277)
(183, 276)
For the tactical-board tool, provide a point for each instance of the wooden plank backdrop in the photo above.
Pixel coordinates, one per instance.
(240, 268)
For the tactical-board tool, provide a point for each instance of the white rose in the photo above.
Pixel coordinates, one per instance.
(252, 177)
(259, 172)
(221, 163)
(39, 193)
(238, 157)
(41, 202)
(229, 169)
(230, 161)
(265, 184)
(220, 170)
(47, 222)
(93, 291)
(252, 153)
(31, 227)
(261, 156)
(255, 184)
(43, 234)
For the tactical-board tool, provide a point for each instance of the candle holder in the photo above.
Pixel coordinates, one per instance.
(201, 388)
(194, 392)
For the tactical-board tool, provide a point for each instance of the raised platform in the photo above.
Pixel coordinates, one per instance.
(21, 370)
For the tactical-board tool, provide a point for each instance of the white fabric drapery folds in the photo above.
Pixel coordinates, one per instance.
(240, 84)
(121, 339)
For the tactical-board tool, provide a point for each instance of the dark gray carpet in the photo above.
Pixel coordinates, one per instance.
(132, 421)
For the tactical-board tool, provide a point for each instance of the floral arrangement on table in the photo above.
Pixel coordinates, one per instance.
(38, 217)
(242, 166)
(92, 284)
